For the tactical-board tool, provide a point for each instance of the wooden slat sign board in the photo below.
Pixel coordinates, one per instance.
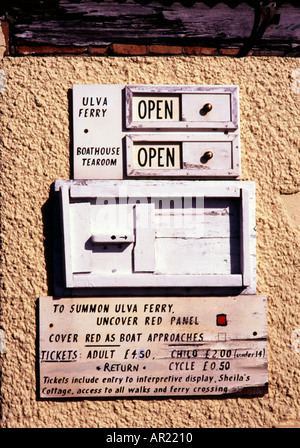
(152, 347)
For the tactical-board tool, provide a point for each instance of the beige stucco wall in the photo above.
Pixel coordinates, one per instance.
(35, 145)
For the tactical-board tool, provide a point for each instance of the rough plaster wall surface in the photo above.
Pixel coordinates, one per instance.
(35, 146)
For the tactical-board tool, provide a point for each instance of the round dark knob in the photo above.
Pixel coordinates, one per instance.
(207, 107)
(208, 155)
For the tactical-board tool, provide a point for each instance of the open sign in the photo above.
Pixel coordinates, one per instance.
(158, 156)
(156, 108)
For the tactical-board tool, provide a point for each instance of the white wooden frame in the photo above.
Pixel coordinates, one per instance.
(232, 189)
(231, 125)
(234, 172)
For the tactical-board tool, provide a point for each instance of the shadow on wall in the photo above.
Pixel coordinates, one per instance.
(50, 213)
(48, 233)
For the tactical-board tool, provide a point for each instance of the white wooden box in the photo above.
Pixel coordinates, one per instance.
(176, 107)
(120, 234)
(183, 156)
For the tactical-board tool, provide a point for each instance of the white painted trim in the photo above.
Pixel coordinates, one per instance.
(136, 188)
(144, 249)
(154, 280)
(64, 200)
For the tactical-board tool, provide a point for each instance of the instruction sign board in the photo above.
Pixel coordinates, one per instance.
(151, 347)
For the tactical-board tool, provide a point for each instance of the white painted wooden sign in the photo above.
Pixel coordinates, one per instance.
(196, 107)
(97, 132)
(158, 234)
(155, 131)
(142, 347)
(174, 231)
(183, 155)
